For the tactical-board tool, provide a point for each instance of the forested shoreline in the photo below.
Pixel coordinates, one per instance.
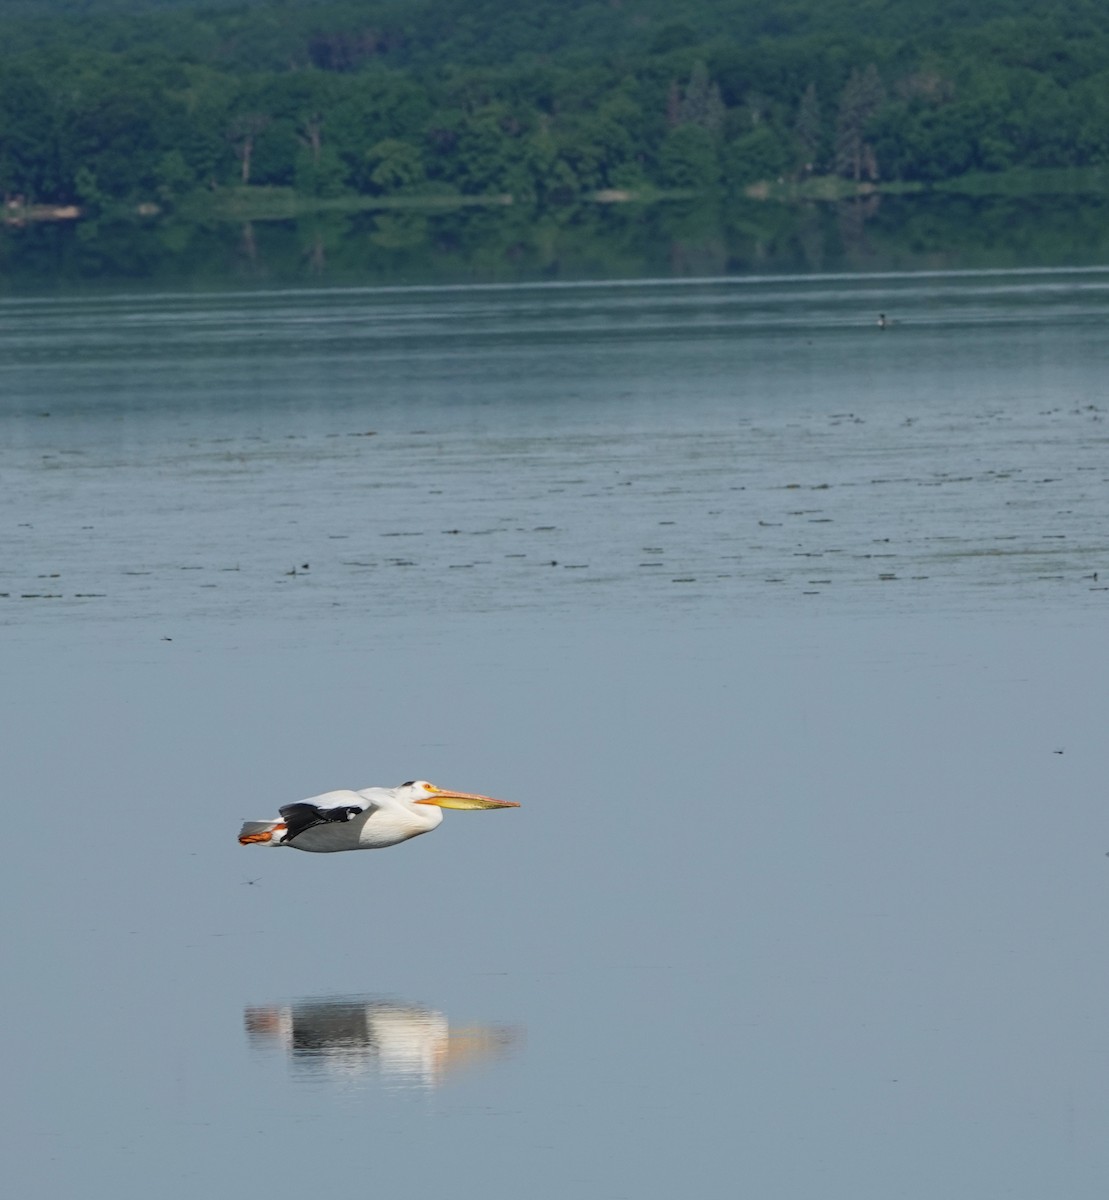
(106, 104)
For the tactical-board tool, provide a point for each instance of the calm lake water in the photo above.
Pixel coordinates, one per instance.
(789, 634)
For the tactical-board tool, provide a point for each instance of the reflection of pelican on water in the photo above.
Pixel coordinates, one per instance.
(403, 1043)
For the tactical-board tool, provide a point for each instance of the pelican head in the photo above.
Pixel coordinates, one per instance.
(419, 791)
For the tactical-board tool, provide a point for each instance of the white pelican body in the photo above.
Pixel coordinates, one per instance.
(366, 820)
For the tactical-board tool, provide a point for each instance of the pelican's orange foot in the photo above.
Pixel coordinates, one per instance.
(261, 835)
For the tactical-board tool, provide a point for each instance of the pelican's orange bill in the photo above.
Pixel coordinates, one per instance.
(466, 801)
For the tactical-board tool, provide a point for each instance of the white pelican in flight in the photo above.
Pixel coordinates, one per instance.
(369, 819)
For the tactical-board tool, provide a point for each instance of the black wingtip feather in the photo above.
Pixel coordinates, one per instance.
(302, 816)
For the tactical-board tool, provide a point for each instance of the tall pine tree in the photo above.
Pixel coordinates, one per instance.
(861, 98)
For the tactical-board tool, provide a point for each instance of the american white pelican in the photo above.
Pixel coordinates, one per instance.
(366, 820)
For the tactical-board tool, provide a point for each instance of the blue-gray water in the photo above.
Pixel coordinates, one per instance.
(788, 633)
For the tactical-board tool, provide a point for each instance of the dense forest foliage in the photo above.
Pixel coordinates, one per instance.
(113, 102)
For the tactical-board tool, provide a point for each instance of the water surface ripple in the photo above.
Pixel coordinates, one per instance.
(733, 444)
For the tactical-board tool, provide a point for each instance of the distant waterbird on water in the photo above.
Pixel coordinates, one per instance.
(370, 819)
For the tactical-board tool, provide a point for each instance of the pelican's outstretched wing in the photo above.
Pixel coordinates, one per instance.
(322, 810)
